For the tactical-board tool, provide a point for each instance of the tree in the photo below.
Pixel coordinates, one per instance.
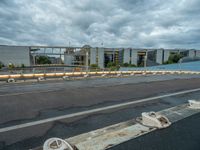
(22, 66)
(11, 66)
(43, 60)
(1, 65)
(174, 58)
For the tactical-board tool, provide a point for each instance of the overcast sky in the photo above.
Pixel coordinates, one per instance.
(116, 23)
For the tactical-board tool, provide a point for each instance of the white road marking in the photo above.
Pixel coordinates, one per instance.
(88, 112)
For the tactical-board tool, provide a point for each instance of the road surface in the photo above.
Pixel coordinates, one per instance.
(32, 102)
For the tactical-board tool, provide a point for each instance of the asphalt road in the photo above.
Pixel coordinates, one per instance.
(22, 103)
(183, 135)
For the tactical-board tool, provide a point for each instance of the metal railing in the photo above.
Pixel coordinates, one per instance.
(86, 74)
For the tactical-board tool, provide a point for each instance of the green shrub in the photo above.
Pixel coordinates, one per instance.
(132, 65)
(94, 66)
(141, 64)
(11, 66)
(43, 60)
(114, 68)
(22, 66)
(126, 65)
(111, 64)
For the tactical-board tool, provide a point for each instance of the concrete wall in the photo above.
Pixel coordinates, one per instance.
(68, 59)
(16, 55)
(159, 56)
(191, 53)
(101, 57)
(134, 57)
(166, 55)
(126, 58)
(198, 53)
(93, 54)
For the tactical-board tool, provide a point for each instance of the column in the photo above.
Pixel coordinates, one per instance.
(93, 53)
(166, 55)
(86, 60)
(191, 53)
(134, 58)
(101, 57)
(197, 53)
(159, 56)
(126, 56)
(68, 59)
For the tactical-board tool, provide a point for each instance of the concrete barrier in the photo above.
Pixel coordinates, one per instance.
(153, 119)
(100, 73)
(194, 104)
(11, 80)
(41, 79)
(57, 144)
(110, 136)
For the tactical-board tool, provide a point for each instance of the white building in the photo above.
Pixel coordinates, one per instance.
(16, 55)
(100, 56)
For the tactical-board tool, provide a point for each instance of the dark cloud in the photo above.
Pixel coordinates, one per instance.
(116, 23)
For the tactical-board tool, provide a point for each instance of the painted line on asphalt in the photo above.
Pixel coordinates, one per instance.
(89, 112)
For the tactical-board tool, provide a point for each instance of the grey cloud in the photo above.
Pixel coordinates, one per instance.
(116, 23)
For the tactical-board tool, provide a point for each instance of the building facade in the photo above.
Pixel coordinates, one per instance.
(87, 55)
(16, 55)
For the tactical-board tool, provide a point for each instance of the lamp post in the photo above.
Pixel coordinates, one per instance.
(145, 61)
(86, 63)
(180, 61)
